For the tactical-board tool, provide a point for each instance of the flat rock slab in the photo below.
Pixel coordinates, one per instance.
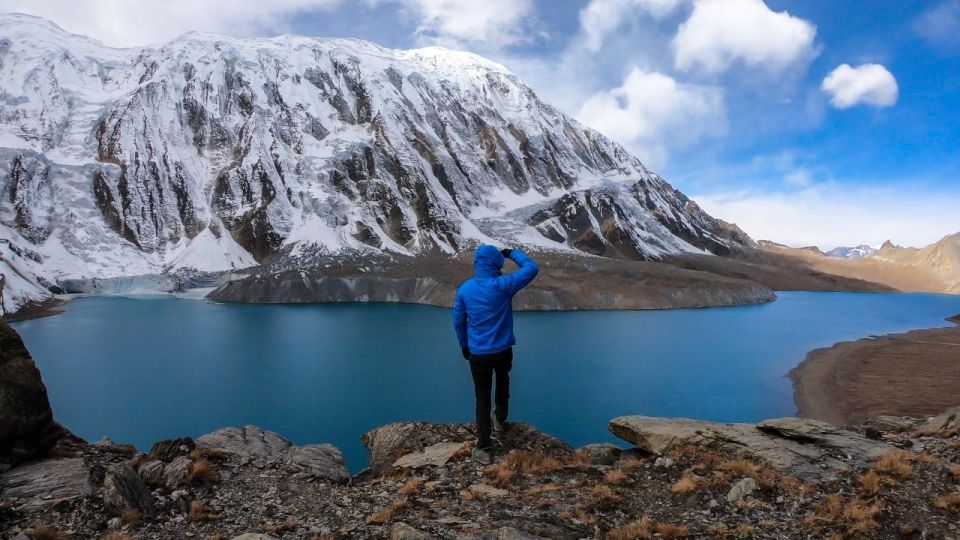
(435, 455)
(392, 442)
(808, 449)
(42, 483)
(248, 441)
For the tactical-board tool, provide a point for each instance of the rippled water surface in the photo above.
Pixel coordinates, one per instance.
(148, 368)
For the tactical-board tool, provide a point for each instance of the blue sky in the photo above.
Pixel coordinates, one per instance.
(806, 122)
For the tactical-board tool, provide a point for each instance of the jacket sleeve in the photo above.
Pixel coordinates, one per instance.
(460, 320)
(514, 281)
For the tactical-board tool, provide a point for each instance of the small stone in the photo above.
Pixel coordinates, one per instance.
(741, 489)
(663, 461)
(402, 531)
(114, 523)
(483, 490)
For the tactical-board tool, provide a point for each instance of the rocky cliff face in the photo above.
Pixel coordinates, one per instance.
(27, 428)
(213, 153)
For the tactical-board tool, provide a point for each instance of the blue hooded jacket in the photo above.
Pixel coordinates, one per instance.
(482, 311)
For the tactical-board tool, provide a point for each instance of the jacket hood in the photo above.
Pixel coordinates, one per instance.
(487, 261)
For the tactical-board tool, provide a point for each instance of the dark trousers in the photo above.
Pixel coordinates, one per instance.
(483, 367)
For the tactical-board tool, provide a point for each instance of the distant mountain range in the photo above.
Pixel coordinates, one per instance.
(934, 268)
(210, 153)
(856, 252)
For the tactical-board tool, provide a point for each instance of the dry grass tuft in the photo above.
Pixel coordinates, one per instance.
(615, 476)
(632, 531)
(686, 484)
(200, 512)
(463, 451)
(412, 486)
(744, 530)
(519, 462)
(718, 530)
(585, 517)
(286, 525)
(383, 516)
(546, 488)
(748, 504)
(601, 496)
(578, 460)
(130, 517)
(202, 472)
(740, 467)
(670, 530)
(949, 503)
(954, 471)
(955, 445)
(860, 516)
(45, 533)
(896, 463)
(926, 457)
(116, 535)
(869, 484)
(857, 516)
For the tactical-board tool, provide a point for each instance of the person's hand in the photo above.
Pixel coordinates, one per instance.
(465, 352)
(506, 252)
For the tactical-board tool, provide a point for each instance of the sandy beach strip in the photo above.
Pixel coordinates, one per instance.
(916, 373)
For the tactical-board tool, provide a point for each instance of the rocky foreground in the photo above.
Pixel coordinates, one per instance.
(781, 478)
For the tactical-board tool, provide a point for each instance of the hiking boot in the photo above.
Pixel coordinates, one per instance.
(499, 427)
(481, 456)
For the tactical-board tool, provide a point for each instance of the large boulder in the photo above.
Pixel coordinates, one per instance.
(321, 461)
(124, 490)
(808, 449)
(946, 424)
(248, 441)
(168, 449)
(27, 428)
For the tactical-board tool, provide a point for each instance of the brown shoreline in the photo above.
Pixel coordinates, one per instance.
(916, 373)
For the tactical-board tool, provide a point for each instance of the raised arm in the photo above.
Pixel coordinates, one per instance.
(520, 278)
(460, 321)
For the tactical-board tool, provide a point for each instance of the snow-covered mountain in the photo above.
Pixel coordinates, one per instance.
(857, 252)
(213, 153)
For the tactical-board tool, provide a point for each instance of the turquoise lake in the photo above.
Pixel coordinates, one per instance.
(143, 369)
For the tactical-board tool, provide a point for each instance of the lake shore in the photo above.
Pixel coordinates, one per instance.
(913, 373)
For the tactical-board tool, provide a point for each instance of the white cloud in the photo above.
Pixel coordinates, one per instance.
(651, 109)
(493, 24)
(124, 23)
(722, 32)
(869, 84)
(940, 25)
(829, 214)
(601, 17)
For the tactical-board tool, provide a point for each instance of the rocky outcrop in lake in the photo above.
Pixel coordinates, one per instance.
(565, 283)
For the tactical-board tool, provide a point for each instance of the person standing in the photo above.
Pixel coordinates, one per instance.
(483, 320)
